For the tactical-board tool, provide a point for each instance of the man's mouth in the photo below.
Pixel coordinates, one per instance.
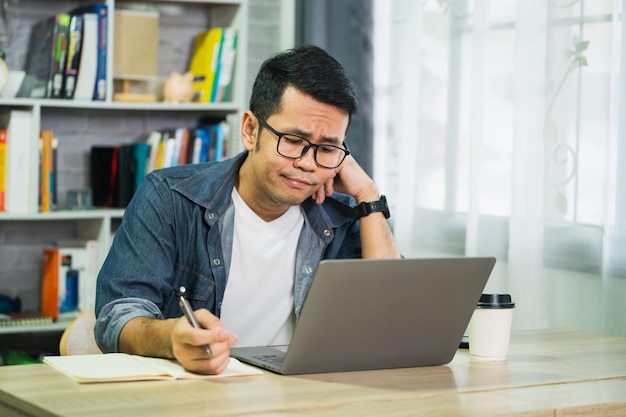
(297, 182)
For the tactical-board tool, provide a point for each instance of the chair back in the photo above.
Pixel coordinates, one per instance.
(78, 338)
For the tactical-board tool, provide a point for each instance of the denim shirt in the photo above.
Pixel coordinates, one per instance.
(178, 231)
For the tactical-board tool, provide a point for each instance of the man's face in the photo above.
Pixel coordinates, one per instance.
(281, 181)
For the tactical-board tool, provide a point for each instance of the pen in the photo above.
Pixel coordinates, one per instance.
(184, 305)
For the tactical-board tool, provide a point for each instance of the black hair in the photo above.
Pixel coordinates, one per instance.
(310, 70)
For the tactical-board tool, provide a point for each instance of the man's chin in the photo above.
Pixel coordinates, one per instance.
(296, 200)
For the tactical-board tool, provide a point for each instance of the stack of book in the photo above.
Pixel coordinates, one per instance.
(68, 278)
(15, 154)
(67, 57)
(118, 171)
(212, 64)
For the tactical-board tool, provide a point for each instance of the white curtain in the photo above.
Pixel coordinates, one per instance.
(500, 131)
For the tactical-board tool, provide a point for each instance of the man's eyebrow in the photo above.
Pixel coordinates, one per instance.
(326, 140)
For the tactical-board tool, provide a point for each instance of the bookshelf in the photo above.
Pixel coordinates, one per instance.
(80, 124)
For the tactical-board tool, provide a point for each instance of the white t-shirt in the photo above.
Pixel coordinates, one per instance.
(258, 300)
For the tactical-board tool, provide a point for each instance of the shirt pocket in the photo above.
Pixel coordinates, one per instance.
(199, 288)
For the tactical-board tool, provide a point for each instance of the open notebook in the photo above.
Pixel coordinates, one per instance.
(117, 367)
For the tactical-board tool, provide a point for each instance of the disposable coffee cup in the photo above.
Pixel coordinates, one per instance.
(490, 327)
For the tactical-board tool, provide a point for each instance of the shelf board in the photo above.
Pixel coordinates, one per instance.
(119, 105)
(56, 327)
(66, 215)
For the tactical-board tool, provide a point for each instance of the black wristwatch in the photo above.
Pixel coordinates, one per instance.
(365, 209)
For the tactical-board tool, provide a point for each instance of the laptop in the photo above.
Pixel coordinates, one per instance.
(363, 314)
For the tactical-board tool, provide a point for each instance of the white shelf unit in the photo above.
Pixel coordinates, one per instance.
(87, 123)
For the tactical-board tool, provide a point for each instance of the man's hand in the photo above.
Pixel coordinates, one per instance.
(188, 343)
(349, 179)
(376, 238)
(176, 338)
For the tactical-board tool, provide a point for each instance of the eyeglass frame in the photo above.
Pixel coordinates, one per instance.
(306, 148)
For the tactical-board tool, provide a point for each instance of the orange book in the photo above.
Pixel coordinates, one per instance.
(184, 145)
(50, 283)
(3, 169)
(45, 183)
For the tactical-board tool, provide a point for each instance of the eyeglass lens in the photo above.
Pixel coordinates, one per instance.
(295, 147)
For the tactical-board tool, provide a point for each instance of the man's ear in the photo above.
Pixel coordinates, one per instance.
(249, 130)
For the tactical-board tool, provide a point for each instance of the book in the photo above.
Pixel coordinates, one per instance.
(104, 182)
(24, 319)
(160, 155)
(39, 58)
(113, 175)
(180, 147)
(153, 141)
(20, 172)
(125, 175)
(169, 140)
(78, 260)
(50, 282)
(46, 175)
(219, 141)
(54, 178)
(177, 147)
(204, 60)
(215, 65)
(226, 65)
(73, 56)
(202, 144)
(68, 281)
(88, 66)
(140, 154)
(182, 137)
(117, 367)
(99, 92)
(59, 55)
(3, 169)
(89, 275)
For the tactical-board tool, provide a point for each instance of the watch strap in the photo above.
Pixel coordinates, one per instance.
(367, 208)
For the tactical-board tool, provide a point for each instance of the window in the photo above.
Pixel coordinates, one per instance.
(502, 128)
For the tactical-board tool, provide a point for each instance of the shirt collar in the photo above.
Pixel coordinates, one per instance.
(211, 189)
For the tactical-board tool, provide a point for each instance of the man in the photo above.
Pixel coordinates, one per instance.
(244, 236)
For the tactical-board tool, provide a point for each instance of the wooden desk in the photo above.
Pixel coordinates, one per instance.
(548, 373)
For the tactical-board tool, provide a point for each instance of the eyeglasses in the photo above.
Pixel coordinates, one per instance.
(295, 147)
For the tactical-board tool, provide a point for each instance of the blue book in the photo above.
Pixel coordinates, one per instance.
(100, 87)
(141, 151)
(219, 142)
(204, 136)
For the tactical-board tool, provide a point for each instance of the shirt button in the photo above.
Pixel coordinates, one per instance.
(216, 262)
(326, 232)
(211, 216)
(308, 270)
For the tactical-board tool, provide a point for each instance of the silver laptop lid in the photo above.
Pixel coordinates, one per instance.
(374, 314)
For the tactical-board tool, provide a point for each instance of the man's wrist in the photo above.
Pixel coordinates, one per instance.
(366, 196)
(377, 206)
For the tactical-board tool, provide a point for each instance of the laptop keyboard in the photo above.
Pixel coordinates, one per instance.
(273, 359)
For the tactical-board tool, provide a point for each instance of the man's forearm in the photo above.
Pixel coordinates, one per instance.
(147, 337)
(377, 241)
